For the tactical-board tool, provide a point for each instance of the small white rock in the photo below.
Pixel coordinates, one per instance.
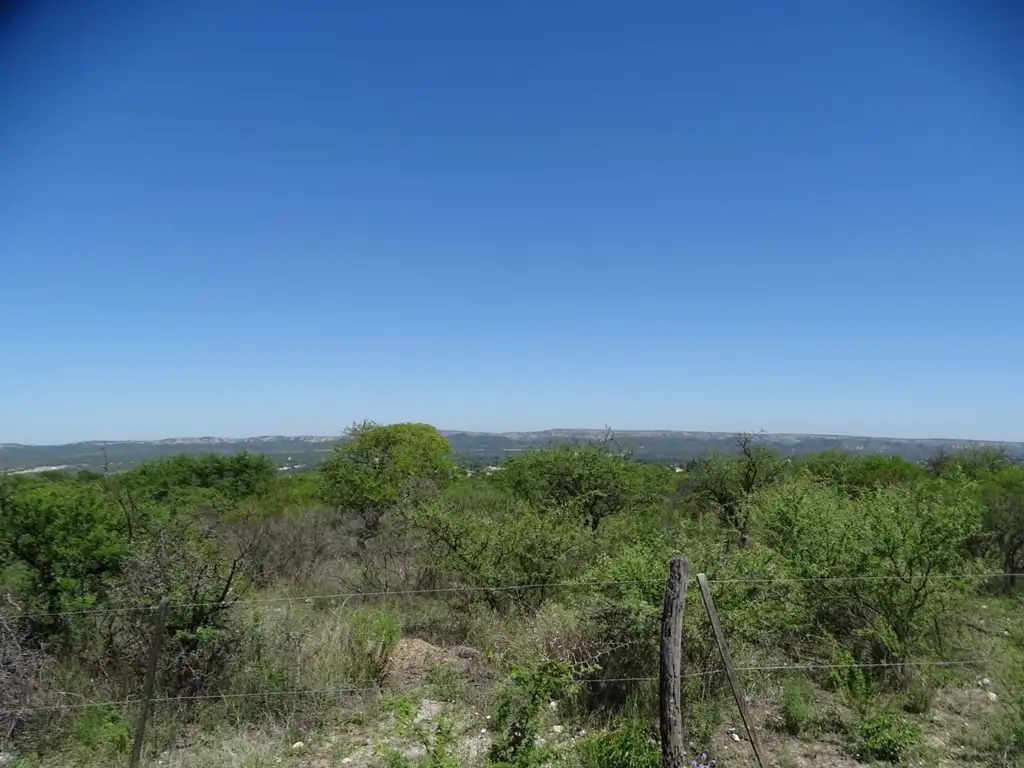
(992, 697)
(553, 706)
(557, 728)
(734, 736)
(298, 745)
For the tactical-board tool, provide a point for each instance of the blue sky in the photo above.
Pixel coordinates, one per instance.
(251, 217)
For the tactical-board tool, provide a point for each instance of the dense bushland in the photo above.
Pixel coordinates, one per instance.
(552, 568)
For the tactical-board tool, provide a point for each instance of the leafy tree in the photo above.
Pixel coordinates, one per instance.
(1002, 494)
(718, 484)
(69, 539)
(591, 479)
(378, 466)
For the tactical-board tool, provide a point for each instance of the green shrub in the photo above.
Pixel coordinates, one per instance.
(70, 542)
(797, 705)
(520, 704)
(919, 698)
(174, 556)
(438, 747)
(883, 736)
(633, 743)
(372, 637)
(703, 713)
(514, 545)
(444, 682)
(232, 477)
(854, 683)
(917, 535)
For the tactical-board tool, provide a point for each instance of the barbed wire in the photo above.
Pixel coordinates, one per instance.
(508, 588)
(352, 690)
(342, 596)
(868, 577)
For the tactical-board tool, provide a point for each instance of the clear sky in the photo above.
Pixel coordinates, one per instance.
(246, 217)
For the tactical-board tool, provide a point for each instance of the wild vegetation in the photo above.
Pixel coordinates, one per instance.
(394, 609)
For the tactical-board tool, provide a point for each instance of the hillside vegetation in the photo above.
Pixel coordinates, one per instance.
(308, 452)
(394, 609)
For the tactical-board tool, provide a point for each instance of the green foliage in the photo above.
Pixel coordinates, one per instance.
(854, 683)
(913, 534)
(103, 730)
(439, 747)
(920, 698)
(883, 736)
(855, 475)
(1003, 740)
(374, 467)
(719, 484)
(797, 705)
(372, 636)
(633, 742)
(592, 527)
(974, 462)
(1002, 493)
(202, 578)
(68, 538)
(231, 477)
(437, 744)
(591, 480)
(514, 545)
(520, 703)
(444, 682)
(378, 467)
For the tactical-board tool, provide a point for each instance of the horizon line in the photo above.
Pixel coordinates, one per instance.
(613, 432)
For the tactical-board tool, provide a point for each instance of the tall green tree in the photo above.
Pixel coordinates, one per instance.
(592, 479)
(378, 466)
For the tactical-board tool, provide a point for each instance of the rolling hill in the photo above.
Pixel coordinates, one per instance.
(306, 451)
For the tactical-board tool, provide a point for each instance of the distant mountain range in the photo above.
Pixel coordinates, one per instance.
(306, 451)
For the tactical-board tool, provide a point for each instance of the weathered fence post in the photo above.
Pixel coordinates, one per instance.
(147, 687)
(670, 684)
(734, 681)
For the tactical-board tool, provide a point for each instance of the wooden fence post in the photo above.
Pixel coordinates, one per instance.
(734, 681)
(670, 683)
(147, 687)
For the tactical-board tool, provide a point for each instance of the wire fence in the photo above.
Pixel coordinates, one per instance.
(134, 701)
(340, 691)
(906, 579)
(298, 698)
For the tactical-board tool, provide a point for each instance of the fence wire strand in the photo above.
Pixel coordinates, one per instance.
(354, 690)
(503, 588)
